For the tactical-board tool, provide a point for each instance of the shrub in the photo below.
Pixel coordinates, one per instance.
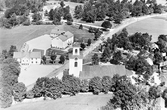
(69, 23)
(19, 91)
(106, 24)
(106, 83)
(84, 85)
(95, 85)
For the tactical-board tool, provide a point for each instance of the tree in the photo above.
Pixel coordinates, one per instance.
(62, 4)
(12, 50)
(62, 59)
(117, 57)
(78, 11)
(51, 13)
(68, 17)
(106, 83)
(89, 42)
(118, 18)
(106, 54)
(84, 85)
(5, 96)
(158, 58)
(44, 59)
(154, 93)
(164, 96)
(95, 85)
(82, 45)
(128, 96)
(19, 91)
(10, 71)
(36, 17)
(106, 24)
(71, 84)
(48, 88)
(53, 57)
(81, 26)
(95, 59)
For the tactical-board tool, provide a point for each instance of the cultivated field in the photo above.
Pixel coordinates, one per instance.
(78, 102)
(20, 34)
(154, 26)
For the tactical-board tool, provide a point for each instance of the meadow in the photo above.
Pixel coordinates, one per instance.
(154, 26)
(20, 34)
(78, 102)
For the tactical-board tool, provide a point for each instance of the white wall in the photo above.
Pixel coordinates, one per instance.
(56, 42)
(75, 70)
(25, 61)
(35, 61)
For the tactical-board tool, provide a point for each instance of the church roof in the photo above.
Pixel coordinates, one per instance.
(103, 70)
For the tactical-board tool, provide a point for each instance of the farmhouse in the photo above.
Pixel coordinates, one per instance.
(61, 39)
(27, 58)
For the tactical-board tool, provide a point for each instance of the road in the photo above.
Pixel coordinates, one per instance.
(125, 23)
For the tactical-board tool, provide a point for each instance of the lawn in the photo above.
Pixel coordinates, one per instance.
(31, 73)
(78, 102)
(20, 34)
(154, 26)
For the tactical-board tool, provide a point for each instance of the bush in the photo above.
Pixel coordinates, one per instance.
(95, 85)
(84, 85)
(106, 24)
(106, 83)
(19, 91)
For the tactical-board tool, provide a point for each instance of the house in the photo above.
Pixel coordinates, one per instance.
(61, 39)
(27, 58)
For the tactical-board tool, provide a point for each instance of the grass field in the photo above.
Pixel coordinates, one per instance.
(18, 35)
(154, 26)
(31, 73)
(78, 102)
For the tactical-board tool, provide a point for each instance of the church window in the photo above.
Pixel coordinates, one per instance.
(75, 64)
(76, 50)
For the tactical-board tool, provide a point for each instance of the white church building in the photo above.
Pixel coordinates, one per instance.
(75, 62)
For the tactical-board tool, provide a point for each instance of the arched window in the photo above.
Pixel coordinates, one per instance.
(75, 64)
(76, 58)
(76, 50)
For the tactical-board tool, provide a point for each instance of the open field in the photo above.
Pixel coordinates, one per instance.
(18, 35)
(78, 102)
(154, 26)
(31, 73)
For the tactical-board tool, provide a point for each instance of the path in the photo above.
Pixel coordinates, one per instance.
(124, 24)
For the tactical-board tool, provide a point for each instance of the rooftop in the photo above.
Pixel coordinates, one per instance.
(27, 54)
(103, 70)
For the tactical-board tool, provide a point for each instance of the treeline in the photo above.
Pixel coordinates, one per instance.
(18, 11)
(9, 86)
(116, 10)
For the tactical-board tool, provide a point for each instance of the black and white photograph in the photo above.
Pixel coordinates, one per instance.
(83, 54)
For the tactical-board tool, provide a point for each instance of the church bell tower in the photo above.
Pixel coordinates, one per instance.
(75, 61)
